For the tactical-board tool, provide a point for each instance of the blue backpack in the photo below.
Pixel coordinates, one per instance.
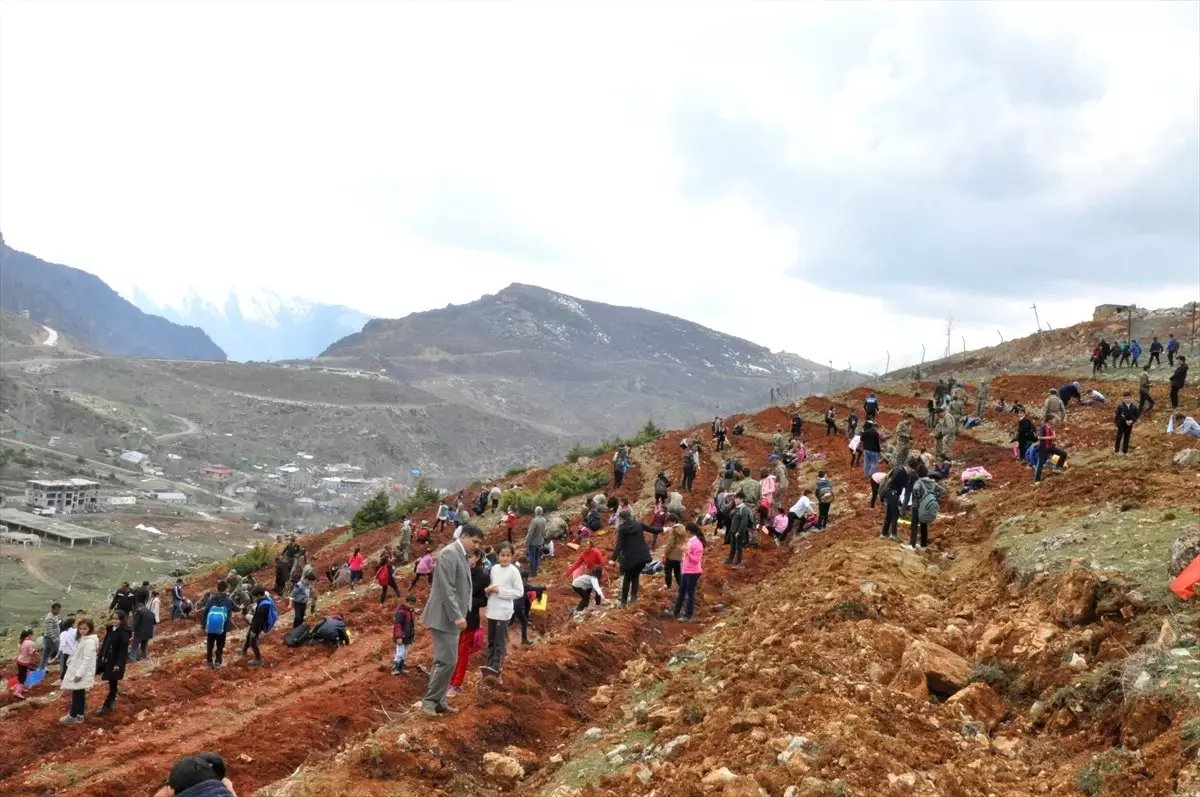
(214, 623)
(272, 614)
(1031, 454)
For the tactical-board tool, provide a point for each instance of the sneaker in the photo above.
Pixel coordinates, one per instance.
(445, 709)
(398, 671)
(490, 672)
(218, 666)
(738, 566)
(527, 642)
(208, 664)
(453, 691)
(254, 663)
(685, 619)
(105, 709)
(428, 711)
(66, 719)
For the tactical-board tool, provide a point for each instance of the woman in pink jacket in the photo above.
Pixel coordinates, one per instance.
(693, 555)
(356, 566)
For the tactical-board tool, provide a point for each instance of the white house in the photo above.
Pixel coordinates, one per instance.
(172, 498)
(133, 457)
(120, 500)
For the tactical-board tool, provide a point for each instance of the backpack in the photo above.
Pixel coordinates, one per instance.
(214, 623)
(272, 615)
(927, 503)
(594, 522)
(300, 635)
(825, 492)
(739, 430)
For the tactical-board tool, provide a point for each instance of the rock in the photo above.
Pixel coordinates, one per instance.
(602, 697)
(143, 715)
(1184, 549)
(868, 588)
(663, 715)
(981, 703)
(617, 754)
(1076, 601)
(945, 671)
(245, 759)
(1187, 457)
(1006, 746)
(403, 743)
(796, 744)
(668, 749)
(745, 787)
(744, 722)
(592, 734)
(1077, 663)
(644, 774)
(1143, 681)
(527, 758)
(717, 779)
(903, 782)
(911, 680)
(502, 767)
(556, 759)
(632, 670)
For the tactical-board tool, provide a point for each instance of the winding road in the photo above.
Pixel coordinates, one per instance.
(192, 428)
(51, 337)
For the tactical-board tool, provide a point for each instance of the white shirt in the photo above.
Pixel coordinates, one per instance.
(856, 442)
(68, 640)
(500, 602)
(155, 605)
(802, 507)
(458, 532)
(588, 581)
(1188, 427)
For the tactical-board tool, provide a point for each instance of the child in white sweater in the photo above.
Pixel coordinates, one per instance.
(505, 587)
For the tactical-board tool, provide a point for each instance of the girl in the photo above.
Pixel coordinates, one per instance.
(589, 559)
(443, 516)
(673, 552)
(80, 674)
(110, 663)
(767, 485)
(27, 659)
(510, 523)
(466, 637)
(522, 606)
(155, 607)
(693, 556)
(356, 566)
(586, 585)
(424, 567)
(385, 576)
(658, 523)
(505, 588)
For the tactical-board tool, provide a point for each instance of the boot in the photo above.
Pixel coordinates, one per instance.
(105, 709)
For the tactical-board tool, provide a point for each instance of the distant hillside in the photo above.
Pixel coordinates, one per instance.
(260, 325)
(581, 369)
(82, 306)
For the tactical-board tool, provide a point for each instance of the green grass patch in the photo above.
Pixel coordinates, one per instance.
(518, 471)
(1090, 777)
(256, 558)
(563, 482)
(646, 434)
(60, 776)
(588, 768)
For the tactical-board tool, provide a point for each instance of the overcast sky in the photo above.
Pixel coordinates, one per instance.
(832, 179)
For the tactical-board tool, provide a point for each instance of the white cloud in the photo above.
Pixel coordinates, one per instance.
(397, 157)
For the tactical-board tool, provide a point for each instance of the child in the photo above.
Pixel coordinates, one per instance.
(385, 577)
(403, 629)
(443, 516)
(424, 567)
(80, 674)
(693, 556)
(505, 588)
(27, 659)
(522, 605)
(510, 523)
(585, 586)
(67, 643)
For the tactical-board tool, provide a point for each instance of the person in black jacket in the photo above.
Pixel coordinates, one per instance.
(142, 594)
(143, 631)
(479, 584)
(114, 652)
(1127, 415)
(869, 442)
(797, 426)
(1026, 435)
(895, 485)
(258, 623)
(1178, 380)
(631, 553)
(122, 599)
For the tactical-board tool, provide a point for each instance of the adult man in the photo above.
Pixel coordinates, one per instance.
(494, 496)
(871, 406)
(446, 615)
(1178, 380)
(405, 546)
(1172, 348)
(799, 513)
(1126, 416)
(777, 441)
(1026, 435)
(739, 529)
(958, 404)
(1186, 425)
(1144, 397)
(1068, 392)
(1135, 351)
(122, 599)
(177, 599)
(1054, 407)
(894, 487)
(1047, 448)
(51, 630)
(535, 538)
(749, 488)
(1155, 353)
(944, 433)
(869, 440)
(903, 438)
(981, 400)
(797, 425)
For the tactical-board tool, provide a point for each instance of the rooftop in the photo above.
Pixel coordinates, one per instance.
(62, 483)
(50, 526)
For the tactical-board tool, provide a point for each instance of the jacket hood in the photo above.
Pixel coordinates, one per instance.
(208, 788)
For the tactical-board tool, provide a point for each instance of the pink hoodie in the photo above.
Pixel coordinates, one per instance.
(692, 555)
(356, 562)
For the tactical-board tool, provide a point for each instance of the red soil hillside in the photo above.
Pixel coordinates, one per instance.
(1032, 649)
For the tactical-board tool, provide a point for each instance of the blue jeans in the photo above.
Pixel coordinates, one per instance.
(176, 609)
(685, 601)
(534, 554)
(870, 463)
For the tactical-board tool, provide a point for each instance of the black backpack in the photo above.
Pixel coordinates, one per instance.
(594, 523)
(300, 635)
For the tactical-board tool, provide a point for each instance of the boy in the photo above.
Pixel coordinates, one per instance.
(403, 629)
(218, 620)
(260, 623)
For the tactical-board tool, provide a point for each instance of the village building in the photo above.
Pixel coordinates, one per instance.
(63, 496)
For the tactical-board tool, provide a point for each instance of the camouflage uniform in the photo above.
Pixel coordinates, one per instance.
(944, 432)
(749, 488)
(1053, 408)
(958, 403)
(781, 479)
(777, 443)
(903, 442)
(982, 400)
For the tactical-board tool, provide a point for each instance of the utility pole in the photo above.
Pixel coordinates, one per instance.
(964, 341)
(1001, 336)
(829, 389)
(1129, 310)
(1035, 317)
(888, 366)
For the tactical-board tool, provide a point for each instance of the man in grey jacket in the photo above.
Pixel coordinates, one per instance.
(446, 614)
(535, 538)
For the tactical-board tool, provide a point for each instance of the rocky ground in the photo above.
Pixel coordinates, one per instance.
(1032, 649)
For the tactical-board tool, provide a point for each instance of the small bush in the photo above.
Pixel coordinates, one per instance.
(1090, 777)
(992, 675)
(525, 501)
(372, 514)
(256, 558)
(511, 472)
(422, 496)
(570, 481)
(646, 434)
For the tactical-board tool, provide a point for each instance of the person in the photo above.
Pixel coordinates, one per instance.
(740, 523)
(467, 644)
(631, 553)
(177, 597)
(299, 598)
(505, 587)
(693, 567)
(824, 492)
(982, 397)
(1178, 379)
(672, 557)
(944, 433)
(1054, 407)
(110, 662)
(797, 425)
(1135, 351)
(871, 406)
(585, 585)
(1047, 448)
(142, 594)
(1068, 392)
(68, 641)
(80, 673)
(122, 599)
(142, 624)
(260, 623)
(27, 659)
(1155, 353)
(51, 631)
(197, 776)
(903, 438)
(767, 488)
(870, 442)
(523, 606)
(283, 570)
(1186, 425)
(1172, 348)
(589, 558)
(856, 450)
(851, 424)
(1126, 417)
(217, 616)
(1144, 396)
(356, 565)
(404, 630)
(895, 485)
(404, 549)
(620, 465)
(425, 565)
(332, 630)
(510, 523)
(798, 515)
(445, 616)
(385, 576)
(1026, 436)
(918, 536)
(658, 523)
(443, 517)
(830, 421)
(661, 485)
(877, 480)
(535, 538)
(155, 607)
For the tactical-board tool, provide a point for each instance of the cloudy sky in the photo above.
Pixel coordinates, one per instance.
(833, 179)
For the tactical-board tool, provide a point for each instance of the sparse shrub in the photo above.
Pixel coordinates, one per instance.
(853, 610)
(570, 481)
(372, 514)
(517, 471)
(992, 675)
(1090, 777)
(421, 496)
(256, 558)
(646, 434)
(1189, 734)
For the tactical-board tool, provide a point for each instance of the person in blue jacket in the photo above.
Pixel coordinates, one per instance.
(1068, 392)
(1136, 351)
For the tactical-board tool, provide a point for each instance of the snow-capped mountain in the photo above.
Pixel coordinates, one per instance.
(258, 324)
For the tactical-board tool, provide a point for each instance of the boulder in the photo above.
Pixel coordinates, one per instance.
(1184, 549)
(980, 703)
(718, 779)
(602, 697)
(1076, 601)
(663, 715)
(502, 767)
(911, 680)
(526, 758)
(1187, 458)
(945, 671)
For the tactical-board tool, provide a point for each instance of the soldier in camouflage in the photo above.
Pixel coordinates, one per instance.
(944, 432)
(981, 401)
(903, 439)
(958, 403)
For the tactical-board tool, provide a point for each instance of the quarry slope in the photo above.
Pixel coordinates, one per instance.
(1032, 649)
